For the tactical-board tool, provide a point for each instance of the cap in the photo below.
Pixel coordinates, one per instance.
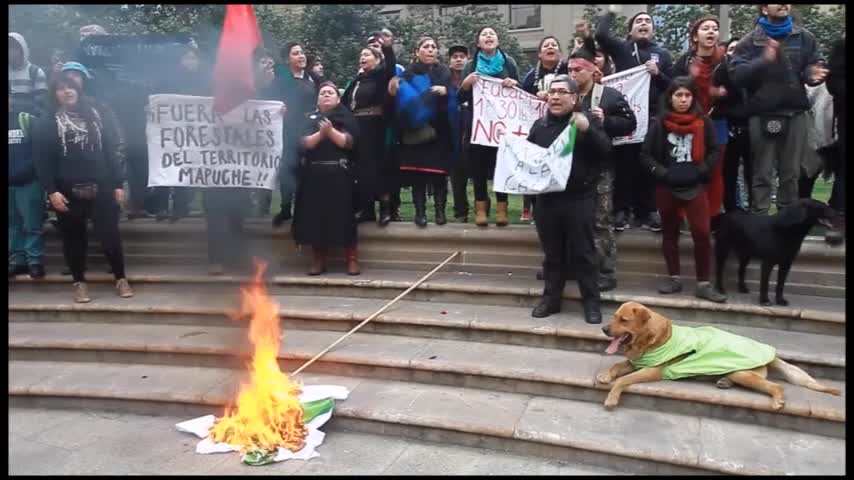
(458, 48)
(69, 66)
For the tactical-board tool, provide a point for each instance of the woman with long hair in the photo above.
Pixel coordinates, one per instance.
(491, 61)
(681, 152)
(324, 208)
(76, 161)
(365, 96)
(425, 115)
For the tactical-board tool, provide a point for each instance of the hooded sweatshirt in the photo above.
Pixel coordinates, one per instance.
(28, 82)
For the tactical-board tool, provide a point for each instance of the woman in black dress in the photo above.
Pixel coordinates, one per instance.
(365, 97)
(324, 209)
(425, 110)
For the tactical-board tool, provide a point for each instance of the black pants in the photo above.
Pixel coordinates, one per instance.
(837, 196)
(482, 167)
(634, 189)
(737, 151)
(182, 197)
(104, 212)
(420, 182)
(565, 228)
(226, 209)
(137, 164)
(459, 185)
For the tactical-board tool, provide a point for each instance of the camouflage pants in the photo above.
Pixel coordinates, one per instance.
(606, 243)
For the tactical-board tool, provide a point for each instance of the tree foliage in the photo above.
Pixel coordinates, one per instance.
(673, 24)
(827, 25)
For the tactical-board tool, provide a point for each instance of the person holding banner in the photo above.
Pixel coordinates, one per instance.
(324, 215)
(634, 189)
(681, 151)
(489, 60)
(564, 219)
(609, 109)
(75, 154)
(365, 96)
(426, 107)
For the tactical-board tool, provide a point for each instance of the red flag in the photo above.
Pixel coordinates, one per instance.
(234, 79)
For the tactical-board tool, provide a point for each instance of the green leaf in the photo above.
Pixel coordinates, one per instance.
(258, 457)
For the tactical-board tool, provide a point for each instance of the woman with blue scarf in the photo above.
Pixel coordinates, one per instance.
(426, 112)
(491, 61)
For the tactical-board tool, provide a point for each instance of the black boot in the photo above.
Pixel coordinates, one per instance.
(592, 311)
(440, 199)
(545, 308)
(385, 212)
(419, 199)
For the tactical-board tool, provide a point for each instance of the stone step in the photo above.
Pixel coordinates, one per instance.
(506, 368)
(805, 313)
(122, 444)
(626, 439)
(514, 239)
(821, 355)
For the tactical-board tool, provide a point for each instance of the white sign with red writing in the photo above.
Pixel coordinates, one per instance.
(634, 85)
(499, 110)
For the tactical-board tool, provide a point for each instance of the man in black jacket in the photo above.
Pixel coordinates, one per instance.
(609, 109)
(564, 220)
(635, 189)
(773, 62)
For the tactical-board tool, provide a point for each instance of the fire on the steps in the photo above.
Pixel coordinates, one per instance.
(268, 413)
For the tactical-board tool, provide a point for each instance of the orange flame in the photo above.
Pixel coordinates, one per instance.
(268, 413)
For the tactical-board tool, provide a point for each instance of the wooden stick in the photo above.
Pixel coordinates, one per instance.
(375, 314)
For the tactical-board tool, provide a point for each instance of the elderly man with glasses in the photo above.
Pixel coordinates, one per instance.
(565, 219)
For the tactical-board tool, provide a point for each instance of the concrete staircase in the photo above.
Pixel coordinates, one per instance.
(460, 361)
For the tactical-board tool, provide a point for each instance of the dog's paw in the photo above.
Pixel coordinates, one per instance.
(777, 404)
(604, 378)
(611, 402)
(781, 301)
(743, 289)
(724, 383)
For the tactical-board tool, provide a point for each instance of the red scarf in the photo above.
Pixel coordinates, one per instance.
(705, 67)
(685, 123)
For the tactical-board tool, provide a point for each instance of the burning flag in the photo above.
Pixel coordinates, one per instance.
(274, 418)
(234, 80)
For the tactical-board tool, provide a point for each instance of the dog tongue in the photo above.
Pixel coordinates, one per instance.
(615, 345)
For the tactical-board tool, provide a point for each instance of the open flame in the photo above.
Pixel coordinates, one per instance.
(268, 413)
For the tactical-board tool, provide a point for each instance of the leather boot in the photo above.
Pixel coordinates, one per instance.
(480, 219)
(545, 308)
(352, 256)
(419, 200)
(592, 311)
(385, 212)
(501, 214)
(318, 261)
(440, 199)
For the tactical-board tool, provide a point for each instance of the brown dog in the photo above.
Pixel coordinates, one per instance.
(646, 338)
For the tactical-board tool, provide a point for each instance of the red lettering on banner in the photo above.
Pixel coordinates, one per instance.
(478, 125)
(519, 132)
(498, 131)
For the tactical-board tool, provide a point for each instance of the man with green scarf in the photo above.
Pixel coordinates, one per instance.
(774, 62)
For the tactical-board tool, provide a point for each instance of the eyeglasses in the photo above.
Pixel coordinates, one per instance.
(560, 93)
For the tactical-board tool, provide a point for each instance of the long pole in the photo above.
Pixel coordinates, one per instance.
(375, 314)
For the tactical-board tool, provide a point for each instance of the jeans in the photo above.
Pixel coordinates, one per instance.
(26, 210)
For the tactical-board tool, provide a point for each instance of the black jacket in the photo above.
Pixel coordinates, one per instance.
(628, 54)
(528, 83)
(371, 89)
(776, 87)
(657, 158)
(733, 105)
(836, 77)
(591, 148)
(619, 118)
(58, 170)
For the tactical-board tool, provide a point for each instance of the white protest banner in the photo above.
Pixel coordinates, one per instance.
(189, 145)
(499, 109)
(634, 84)
(522, 167)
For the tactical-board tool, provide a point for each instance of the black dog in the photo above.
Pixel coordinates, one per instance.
(776, 240)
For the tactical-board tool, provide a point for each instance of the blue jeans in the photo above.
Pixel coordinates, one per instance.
(26, 210)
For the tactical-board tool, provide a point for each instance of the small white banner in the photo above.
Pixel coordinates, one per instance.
(499, 110)
(522, 167)
(634, 84)
(189, 145)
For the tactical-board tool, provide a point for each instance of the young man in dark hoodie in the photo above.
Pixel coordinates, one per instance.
(609, 109)
(565, 220)
(773, 62)
(26, 199)
(635, 189)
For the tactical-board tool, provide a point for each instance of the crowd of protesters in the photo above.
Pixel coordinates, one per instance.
(729, 122)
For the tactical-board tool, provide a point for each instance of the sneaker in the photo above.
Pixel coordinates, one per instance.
(652, 222)
(526, 216)
(706, 292)
(669, 285)
(123, 288)
(36, 271)
(81, 293)
(620, 221)
(15, 270)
